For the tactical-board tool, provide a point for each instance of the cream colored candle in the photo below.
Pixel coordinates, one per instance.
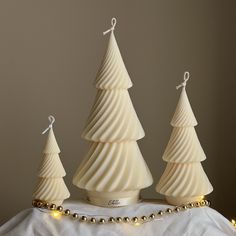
(184, 179)
(51, 186)
(113, 172)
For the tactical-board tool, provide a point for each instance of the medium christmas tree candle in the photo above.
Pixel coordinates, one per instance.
(113, 172)
(184, 179)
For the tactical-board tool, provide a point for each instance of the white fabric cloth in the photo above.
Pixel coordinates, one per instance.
(202, 221)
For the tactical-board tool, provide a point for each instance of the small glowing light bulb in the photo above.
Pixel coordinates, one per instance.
(56, 214)
(137, 224)
(233, 222)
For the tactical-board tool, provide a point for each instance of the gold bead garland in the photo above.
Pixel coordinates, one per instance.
(135, 220)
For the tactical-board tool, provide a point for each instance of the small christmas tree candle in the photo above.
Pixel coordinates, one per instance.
(113, 171)
(184, 179)
(51, 187)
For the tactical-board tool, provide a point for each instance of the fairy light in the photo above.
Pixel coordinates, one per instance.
(137, 224)
(56, 214)
(233, 222)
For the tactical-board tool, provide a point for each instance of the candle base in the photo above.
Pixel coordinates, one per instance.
(176, 201)
(113, 199)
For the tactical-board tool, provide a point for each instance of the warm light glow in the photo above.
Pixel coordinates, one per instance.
(56, 214)
(233, 222)
(137, 224)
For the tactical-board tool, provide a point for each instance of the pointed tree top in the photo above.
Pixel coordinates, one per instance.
(113, 24)
(51, 144)
(184, 115)
(112, 73)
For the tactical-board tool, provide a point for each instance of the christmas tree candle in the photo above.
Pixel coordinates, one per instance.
(51, 187)
(184, 179)
(113, 172)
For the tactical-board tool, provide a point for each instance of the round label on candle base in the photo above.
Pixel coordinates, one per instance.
(113, 199)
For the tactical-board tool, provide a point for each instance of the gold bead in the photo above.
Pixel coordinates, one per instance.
(92, 220)
(46, 205)
(168, 210)
(185, 207)
(60, 208)
(177, 209)
(34, 203)
(152, 216)
(67, 212)
(126, 219)
(135, 219)
(111, 220)
(75, 215)
(190, 205)
(208, 202)
(102, 221)
(83, 218)
(53, 207)
(39, 204)
(197, 204)
(161, 213)
(202, 203)
(144, 218)
(119, 219)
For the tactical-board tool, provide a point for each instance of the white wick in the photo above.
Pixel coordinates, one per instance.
(186, 78)
(113, 24)
(51, 120)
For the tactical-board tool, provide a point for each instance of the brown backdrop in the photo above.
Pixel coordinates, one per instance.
(50, 51)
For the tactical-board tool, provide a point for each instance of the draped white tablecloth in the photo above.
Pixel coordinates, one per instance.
(202, 221)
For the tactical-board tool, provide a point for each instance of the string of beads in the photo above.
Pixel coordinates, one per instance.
(135, 220)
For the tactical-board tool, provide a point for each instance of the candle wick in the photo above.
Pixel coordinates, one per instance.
(51, 120)
(186, 78)
(113, 24)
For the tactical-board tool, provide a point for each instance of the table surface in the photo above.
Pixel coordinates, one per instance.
(203, 221)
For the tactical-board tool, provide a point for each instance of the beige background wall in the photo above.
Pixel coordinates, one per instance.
(50, 51)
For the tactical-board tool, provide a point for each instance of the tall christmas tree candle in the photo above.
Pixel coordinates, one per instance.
(184, 179)
(113, 172)
(51, 187)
